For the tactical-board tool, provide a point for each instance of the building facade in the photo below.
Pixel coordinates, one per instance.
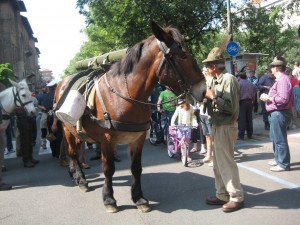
(17, 43)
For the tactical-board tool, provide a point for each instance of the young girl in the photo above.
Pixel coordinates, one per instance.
(184, 114)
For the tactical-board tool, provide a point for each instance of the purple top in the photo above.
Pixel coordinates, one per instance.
(282, 93)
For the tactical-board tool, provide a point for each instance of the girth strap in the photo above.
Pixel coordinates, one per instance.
(130, 127)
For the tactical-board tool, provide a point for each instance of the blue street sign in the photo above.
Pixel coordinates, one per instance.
(232, 48)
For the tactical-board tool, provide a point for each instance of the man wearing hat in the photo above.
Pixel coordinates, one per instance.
(247, 98)
(223, 107)
(279, 102)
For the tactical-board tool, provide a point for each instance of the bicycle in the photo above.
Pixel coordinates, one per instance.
(159, 127)
(179, 142)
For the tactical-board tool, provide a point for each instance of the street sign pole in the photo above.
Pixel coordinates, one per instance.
(229, 30)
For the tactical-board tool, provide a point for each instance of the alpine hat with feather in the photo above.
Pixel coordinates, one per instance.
(216, 54)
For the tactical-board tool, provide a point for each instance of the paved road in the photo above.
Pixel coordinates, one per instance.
(46, 195)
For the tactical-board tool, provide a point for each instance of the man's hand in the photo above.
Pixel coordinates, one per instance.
(265, 98)
(210, 94)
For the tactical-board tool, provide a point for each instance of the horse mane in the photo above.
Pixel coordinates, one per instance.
(133, 55)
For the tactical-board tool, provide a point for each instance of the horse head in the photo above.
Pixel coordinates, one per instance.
(22, 97)
(178, 69)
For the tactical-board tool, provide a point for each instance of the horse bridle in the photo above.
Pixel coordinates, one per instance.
(169, 60)
(165, 61)
(17, 98)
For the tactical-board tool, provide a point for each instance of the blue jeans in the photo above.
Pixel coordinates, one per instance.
(279, 121)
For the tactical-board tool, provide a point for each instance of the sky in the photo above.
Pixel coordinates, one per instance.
(56, 24)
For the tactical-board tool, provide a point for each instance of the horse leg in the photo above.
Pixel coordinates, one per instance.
(136, 170)
(108, 167)
(75, 170)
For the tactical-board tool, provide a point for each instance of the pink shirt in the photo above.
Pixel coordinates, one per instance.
(282, 94)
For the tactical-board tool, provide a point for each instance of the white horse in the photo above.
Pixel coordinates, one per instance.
(16, 96)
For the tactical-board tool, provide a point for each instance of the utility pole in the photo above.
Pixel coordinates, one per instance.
(229, 30)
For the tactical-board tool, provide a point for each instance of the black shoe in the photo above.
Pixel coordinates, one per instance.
(213, 200)
(35, 161)
(3, 168)
(250, 137)
(29, 164)
(95, 157)
(117, 158)
(5, 187)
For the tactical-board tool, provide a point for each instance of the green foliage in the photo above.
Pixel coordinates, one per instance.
(262, 30)
(117, 24)
(6, 73)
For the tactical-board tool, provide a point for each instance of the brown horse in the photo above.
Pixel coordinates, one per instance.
(121, 115)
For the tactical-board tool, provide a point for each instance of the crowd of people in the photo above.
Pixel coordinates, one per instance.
(225, 115)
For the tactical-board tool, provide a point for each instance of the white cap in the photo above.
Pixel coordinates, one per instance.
(51, 83)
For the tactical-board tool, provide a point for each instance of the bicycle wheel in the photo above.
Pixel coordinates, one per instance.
(184, 153)
(153, 135)
(166, 133)
(171, 147)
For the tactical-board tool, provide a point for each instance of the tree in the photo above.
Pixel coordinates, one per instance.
(6, 73)
(262, 30)
(115, 24)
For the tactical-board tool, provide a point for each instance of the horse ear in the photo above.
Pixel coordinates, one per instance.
(14, 83)
(160, 34)
(23, 83)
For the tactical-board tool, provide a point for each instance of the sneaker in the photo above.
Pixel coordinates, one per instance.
(203, 151)
(278, 169)
(272, 163)
(194, 150)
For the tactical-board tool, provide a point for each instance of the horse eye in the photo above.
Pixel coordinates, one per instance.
(24, 95)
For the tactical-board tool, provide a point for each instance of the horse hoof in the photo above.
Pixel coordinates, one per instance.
(84, 188)
(144, 208)
(111, 208)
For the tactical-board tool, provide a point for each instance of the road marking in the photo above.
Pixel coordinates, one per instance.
(266, 175)
(271, 177)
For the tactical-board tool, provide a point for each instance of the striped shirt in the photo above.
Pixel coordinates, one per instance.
(282, 94)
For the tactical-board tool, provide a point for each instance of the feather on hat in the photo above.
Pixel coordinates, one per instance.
(216, 54)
